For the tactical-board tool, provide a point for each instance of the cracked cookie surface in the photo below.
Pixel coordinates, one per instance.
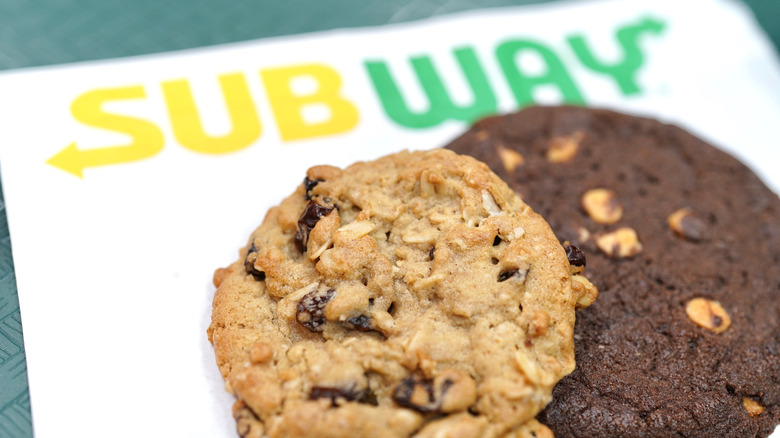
(414, 295)
(683, 243)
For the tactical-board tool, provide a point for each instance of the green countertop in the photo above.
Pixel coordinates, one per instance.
(47, 32)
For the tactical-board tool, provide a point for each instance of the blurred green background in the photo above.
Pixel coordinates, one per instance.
(45, 32)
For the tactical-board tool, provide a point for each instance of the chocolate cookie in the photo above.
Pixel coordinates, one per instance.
(416, 294)
(683, 243)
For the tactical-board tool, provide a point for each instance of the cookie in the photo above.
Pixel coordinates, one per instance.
(683, 243)
(415, 294)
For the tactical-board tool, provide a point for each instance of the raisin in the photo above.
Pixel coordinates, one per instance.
(249, 263)
(506, 275)
(333, 393)
(351, 394)
(245, 419)
(310, 312)
(315, 210)
(368, 398)
(575, 256)
(308, 185)
(361, 323)
(404, 394)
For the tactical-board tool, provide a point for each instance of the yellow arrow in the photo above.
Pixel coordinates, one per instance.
(87, 108)
(74, 160)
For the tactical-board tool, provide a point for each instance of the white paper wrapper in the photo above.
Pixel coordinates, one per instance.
(115, 239)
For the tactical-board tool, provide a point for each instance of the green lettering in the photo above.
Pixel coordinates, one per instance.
(440, 106)
(624, 71)
(523, 84)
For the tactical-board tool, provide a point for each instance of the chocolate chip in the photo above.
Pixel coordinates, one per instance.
(575, 256)
(419, 394)
(361, 323)
(249, 264)
(315, 210)
(308, 185)
(310, 312)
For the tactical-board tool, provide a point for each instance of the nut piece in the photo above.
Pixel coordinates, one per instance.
(708, 314)
(530, 429)
(602, 206)
(584, 291)
(461, 425)
(686, 225)
(461, 390)
(481, 136)
(753, 408)
(620, 243)
(563, 149)
(428, 180)
(510, 159)
(539, 323)
(260, 353)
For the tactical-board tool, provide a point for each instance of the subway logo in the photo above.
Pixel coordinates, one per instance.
(343, 112)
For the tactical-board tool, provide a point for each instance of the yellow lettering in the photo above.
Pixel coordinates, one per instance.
(289, 106)
(187, 126)
(147, 139)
